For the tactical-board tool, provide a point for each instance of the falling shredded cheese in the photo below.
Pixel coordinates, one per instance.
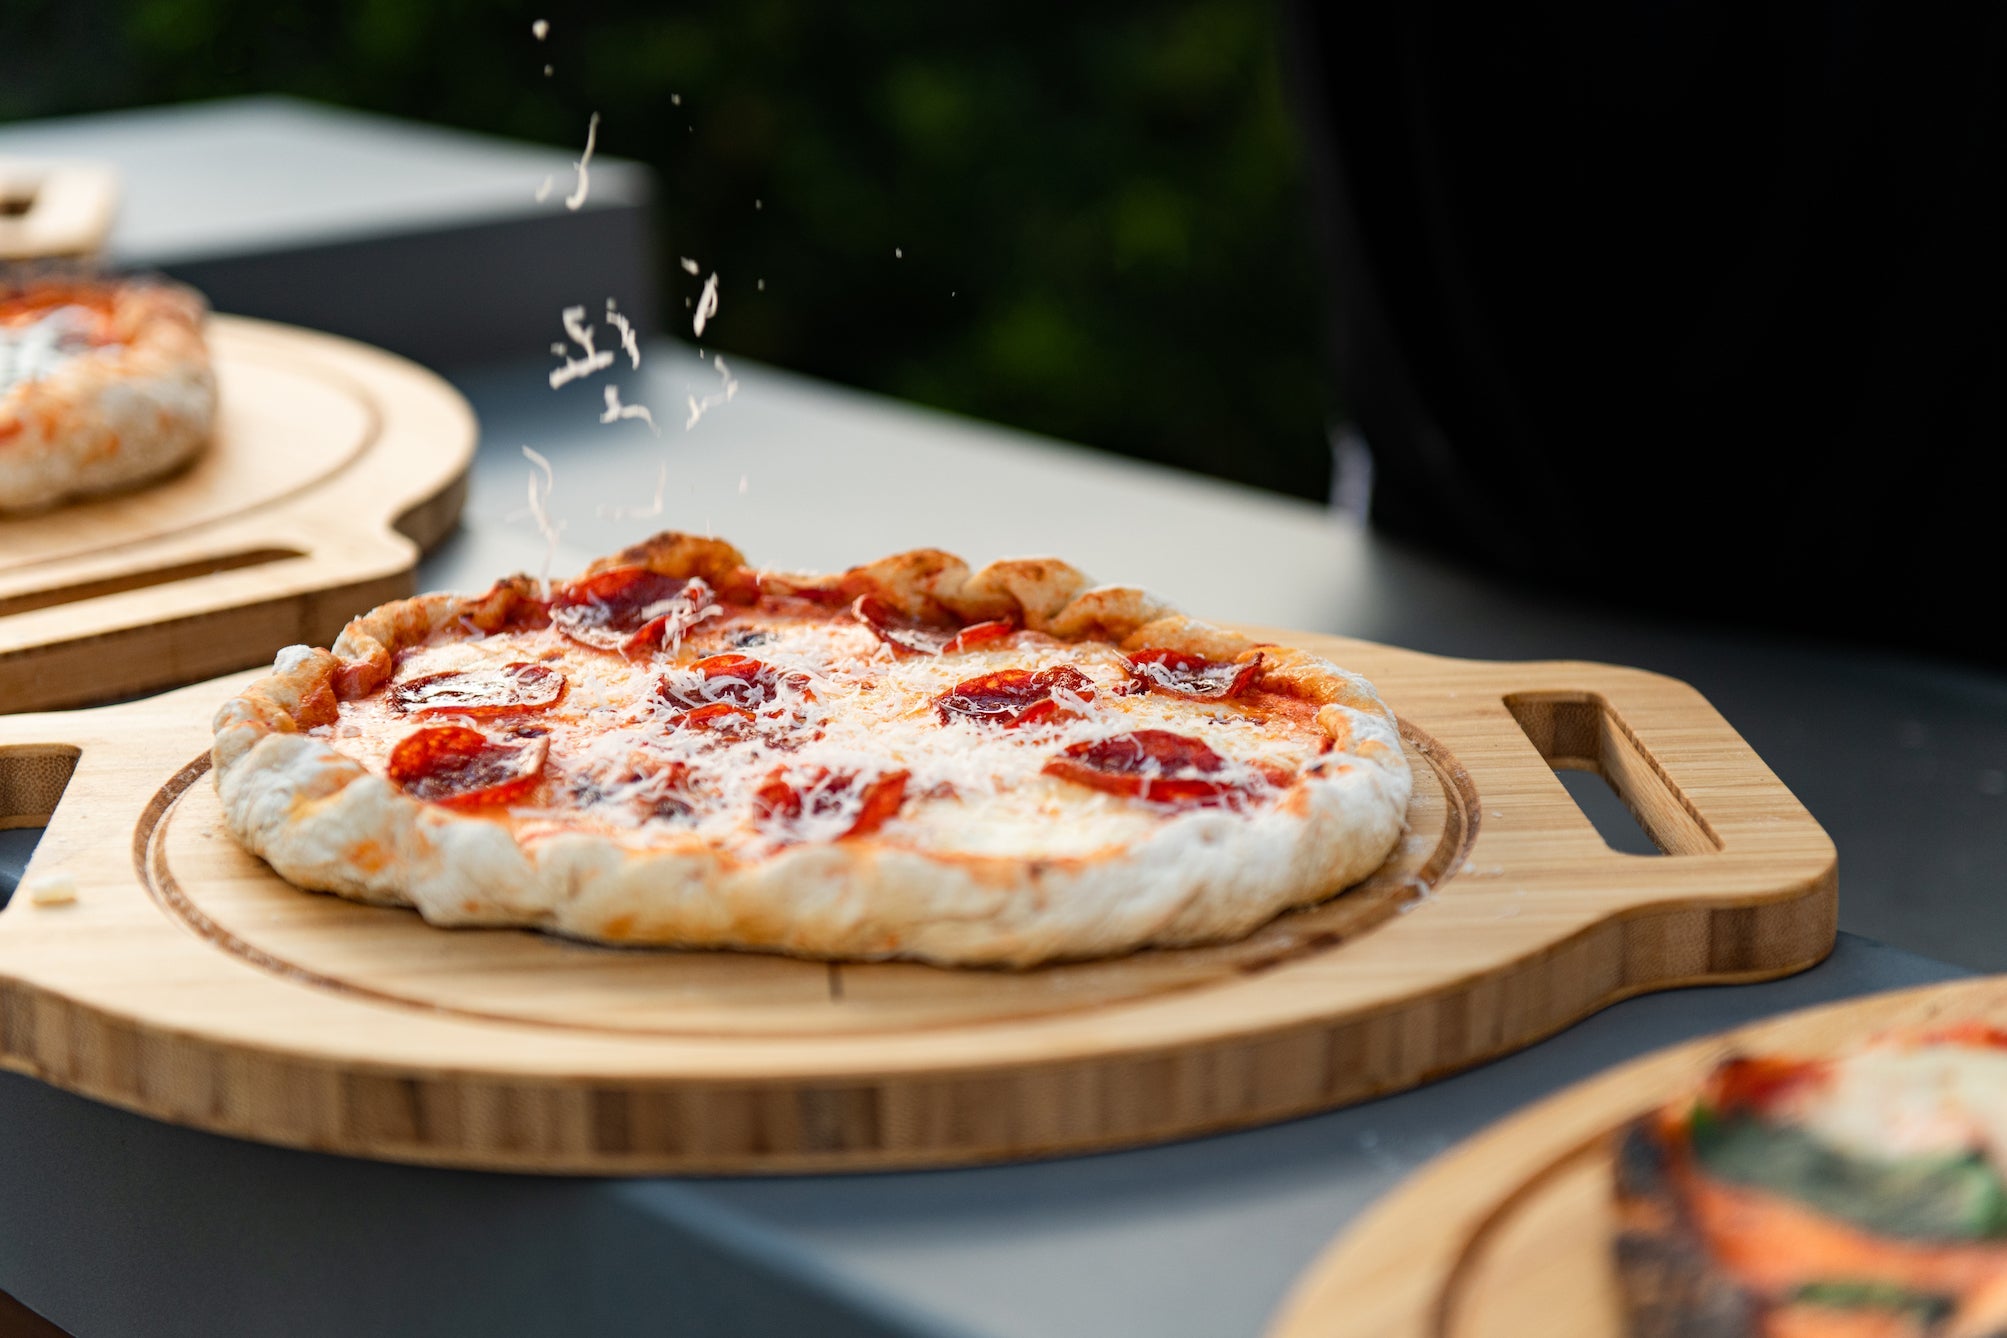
(722, 395)
(541, 29)
(589, 360)
(653, 509)
(629, 342)
(540, 492)
(544, 191)
(615, 411)
(576, 199)
(691, 267)
(707, 304)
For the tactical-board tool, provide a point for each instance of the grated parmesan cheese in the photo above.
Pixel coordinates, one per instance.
(576, 199)
(837, 712)
(615, 411)
(707, 304)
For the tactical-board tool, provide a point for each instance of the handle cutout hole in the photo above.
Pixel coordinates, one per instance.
(1607, 812)
(16, 201)
(32, 781)
(1581, 737)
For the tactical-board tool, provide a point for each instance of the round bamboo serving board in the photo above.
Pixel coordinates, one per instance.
(188, 982)
(1511, 1232)
(334, 464)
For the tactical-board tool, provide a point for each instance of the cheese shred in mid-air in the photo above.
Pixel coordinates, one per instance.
(589, 360)
(539, 511)
(653, 509)
(576, 199)
(707, 304)
(615, 411)
(727, 389)
(629, 342)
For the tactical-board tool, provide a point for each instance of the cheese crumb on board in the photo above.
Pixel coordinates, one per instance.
(53, 889)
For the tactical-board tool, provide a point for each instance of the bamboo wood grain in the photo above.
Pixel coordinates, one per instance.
(187, 982)
(55, 210)
(334, 465)
(1510, 1232)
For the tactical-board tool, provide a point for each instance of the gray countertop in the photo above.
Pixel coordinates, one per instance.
(118, 1225)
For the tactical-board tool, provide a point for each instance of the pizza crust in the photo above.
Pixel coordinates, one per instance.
(111, 415)
(324, 821)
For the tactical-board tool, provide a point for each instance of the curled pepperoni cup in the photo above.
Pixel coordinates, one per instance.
(1014, 697)
(906, 636)
(505, 689)
(452, 764)
(1159, 766)
(1185, 675)
(818, 792)
(975, 634)
(631, 610)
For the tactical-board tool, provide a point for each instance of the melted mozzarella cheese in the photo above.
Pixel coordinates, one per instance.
(844, 711)
(1899, 1100)
(34, 350)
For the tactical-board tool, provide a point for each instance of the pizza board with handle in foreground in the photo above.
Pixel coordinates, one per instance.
(333, 465)
(1512, 1231)
(149, 962)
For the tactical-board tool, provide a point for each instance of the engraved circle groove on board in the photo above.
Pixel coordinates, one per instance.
(193, 867)
(286, 422)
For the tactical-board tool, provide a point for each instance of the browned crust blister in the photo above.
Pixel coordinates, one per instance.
(1042, 594)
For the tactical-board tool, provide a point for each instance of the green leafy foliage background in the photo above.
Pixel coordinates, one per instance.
(1101, 208)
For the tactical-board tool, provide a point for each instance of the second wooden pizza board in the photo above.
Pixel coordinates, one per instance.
(186, 981)
(1510, 1232)
(54, 210)
(334, 464)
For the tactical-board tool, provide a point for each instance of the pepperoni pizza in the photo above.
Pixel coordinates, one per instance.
(103, 384)
(907, 759)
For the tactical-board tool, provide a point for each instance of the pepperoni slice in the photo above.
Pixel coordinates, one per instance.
(1013, 697)
(721, 716)
(882, 799)
(1184, 675)
(452, 764)
(1758, 1083)
(976, 633)
(631, 609)
(826, 793)
(655, 786)
(906, 636)
(484, 691)
(738, 680)
(1152, 764)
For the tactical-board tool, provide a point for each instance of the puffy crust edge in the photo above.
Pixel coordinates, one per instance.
(105, 421)
(323, 821)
